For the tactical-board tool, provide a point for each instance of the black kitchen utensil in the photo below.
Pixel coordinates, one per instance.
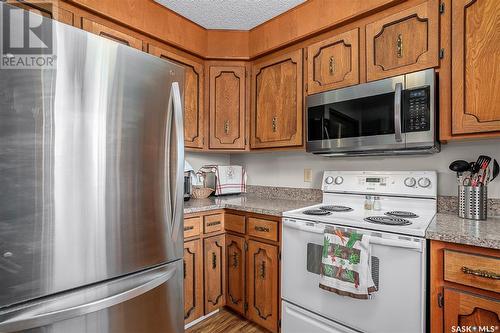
(479, 163)
(496, 170)
(459, 166)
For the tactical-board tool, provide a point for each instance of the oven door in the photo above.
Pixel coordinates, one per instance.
(356, 119)
(398, 270)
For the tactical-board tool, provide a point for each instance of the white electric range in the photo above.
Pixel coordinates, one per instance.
(406, 205)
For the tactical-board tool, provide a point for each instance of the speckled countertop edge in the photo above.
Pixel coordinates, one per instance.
(445, 227)
(453, 229)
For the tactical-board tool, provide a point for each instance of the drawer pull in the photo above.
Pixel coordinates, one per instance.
(191, 227)
(480, 273)
(211, 224)
(261, 229)
(214, 260)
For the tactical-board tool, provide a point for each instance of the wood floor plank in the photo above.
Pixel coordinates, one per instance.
(226, 322)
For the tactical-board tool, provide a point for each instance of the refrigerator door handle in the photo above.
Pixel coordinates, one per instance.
(177, 130)
(83, 301)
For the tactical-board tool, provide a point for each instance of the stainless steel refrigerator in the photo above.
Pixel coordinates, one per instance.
(91, 189)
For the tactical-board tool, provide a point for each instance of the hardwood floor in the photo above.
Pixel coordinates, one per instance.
(226, 322)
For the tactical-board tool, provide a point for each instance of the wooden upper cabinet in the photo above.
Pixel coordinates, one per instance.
(193, 280)
(46, 9)
(110, 33)
(475, 66)
(404, 42)
(463, 309)
(227, 107)
(192, 96)
(263, 284)
(277, 102)
(333, 63)
(235, 273)
(214, 273)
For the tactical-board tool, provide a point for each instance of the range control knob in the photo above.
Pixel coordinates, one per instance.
(410, 182)
(424, 182)
(339, 180)
(329, 180)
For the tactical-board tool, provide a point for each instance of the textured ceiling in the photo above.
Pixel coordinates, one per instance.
(229, 14)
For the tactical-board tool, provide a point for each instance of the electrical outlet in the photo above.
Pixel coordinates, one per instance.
(307, 175)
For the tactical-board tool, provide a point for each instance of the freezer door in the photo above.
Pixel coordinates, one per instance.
(90, 154)
(143, 302)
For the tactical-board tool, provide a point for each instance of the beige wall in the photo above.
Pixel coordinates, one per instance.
(287, 168)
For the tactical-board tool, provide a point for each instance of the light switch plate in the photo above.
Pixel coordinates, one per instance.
(308, 175)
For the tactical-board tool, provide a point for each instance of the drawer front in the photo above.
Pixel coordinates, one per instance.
(263, 228)
(213, 223)
(192, 227)
(472, 270)
(233, 222)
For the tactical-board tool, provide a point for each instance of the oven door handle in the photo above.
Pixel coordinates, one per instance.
(318, 228)
(397, 112)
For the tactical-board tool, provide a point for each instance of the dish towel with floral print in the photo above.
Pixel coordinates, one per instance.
(346, 264)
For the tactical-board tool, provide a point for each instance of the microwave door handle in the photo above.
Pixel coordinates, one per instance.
(397, 112)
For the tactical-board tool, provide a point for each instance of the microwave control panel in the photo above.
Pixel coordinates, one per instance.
(417, 115)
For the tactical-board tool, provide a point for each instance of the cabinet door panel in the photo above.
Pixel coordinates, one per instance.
(263, 284)
(402, 43)
(111, 33)
(227, 107)
(475, 66)
(193, 281)
(193, 96)
(214, 251)
(46, 9)
(277, 102)
(235, 273)
(465, 309)
(333, 63)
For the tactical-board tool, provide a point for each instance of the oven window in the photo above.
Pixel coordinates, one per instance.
(368, 116)
(314, 253)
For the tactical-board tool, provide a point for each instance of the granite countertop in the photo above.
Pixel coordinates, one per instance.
(246, 203)
(453, 229)
(446, 227)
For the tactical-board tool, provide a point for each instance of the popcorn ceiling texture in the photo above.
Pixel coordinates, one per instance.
(229, 14)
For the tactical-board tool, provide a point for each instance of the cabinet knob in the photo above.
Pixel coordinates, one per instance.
(399, 46)
(332, 65)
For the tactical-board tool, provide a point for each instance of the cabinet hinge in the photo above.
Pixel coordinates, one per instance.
(306, 86)
(441, 8)
(305, 55)
(245, 306)
(246, 246)
(440, 300)
(279, 323)
(441, 54)
(279, 255)
(202, 140)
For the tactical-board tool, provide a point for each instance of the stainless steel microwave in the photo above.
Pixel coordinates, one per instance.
(387, 117)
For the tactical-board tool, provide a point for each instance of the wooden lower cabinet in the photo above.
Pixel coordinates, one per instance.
(213, 248)
(464, 288)
(193, 280)
(263, 284)
(235, 273)
(469, 310)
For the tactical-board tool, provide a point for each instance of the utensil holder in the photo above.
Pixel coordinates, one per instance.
(473, 202)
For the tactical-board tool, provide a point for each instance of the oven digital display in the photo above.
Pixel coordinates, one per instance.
(373, 180)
